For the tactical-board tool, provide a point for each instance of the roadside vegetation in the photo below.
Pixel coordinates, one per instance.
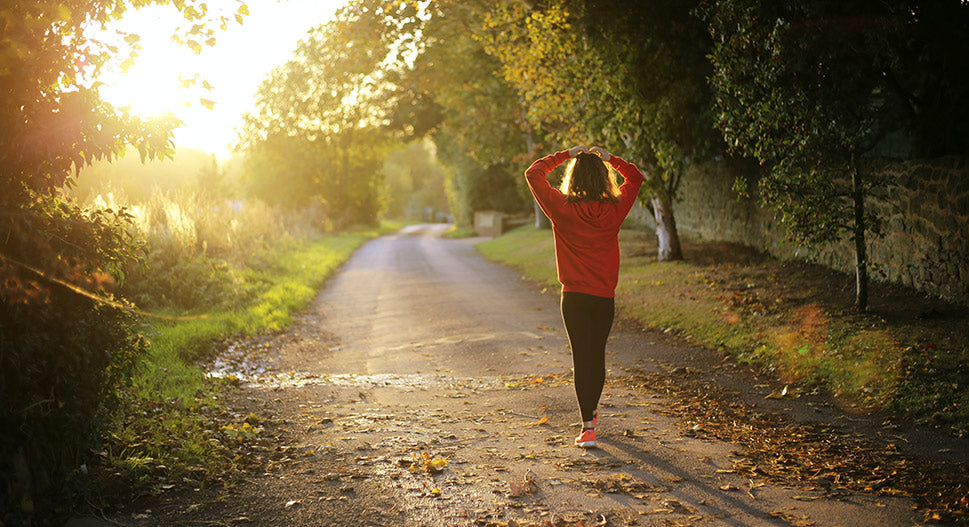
(908, 354)
(212, 270)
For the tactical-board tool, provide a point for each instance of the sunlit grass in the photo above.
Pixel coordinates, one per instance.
(455, 232)
(526, 248)
(741, 308)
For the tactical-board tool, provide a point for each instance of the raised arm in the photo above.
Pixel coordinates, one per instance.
(630, 173)
(537, 173)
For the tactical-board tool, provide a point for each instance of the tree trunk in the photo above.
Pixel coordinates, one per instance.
(541, 220)
(666, 235)
(668, 239)
(861, 252)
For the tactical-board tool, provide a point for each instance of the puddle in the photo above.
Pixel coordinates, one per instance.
(244, 363)
(412, 381)
(240, 360)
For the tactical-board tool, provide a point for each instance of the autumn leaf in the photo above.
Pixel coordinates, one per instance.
(424, 462)
(777, 395)
(541, 421)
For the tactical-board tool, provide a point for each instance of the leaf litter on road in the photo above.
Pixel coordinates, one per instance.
(812, 455)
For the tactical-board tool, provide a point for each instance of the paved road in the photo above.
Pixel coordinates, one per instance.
(427, 386)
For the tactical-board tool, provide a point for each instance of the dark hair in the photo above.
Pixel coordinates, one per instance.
(587, 178)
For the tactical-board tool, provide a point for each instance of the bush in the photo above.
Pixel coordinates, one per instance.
(200, 249)
(62, 354)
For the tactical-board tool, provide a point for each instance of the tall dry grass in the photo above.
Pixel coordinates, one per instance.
(198, 248)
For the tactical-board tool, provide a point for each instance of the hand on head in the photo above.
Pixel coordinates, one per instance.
(606, 156)
(576, 150)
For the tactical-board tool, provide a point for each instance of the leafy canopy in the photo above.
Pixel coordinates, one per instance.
(322, 120)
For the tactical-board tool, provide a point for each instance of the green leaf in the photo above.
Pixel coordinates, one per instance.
(208, 103)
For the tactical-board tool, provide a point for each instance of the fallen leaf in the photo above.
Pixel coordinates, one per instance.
(541, 421)
(425, 462)
(777, 395)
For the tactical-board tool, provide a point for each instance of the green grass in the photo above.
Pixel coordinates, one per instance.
(165, 430)
(455, 232)
(527, 248)
(783, 317)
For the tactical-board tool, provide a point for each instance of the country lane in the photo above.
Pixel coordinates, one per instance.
(427, 386)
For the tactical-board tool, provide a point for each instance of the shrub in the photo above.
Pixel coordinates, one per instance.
(62, 354)
(200, 248)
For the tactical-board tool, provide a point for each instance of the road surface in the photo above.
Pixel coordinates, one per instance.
(427, 386)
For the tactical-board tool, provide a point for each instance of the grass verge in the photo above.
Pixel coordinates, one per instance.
(455, 232)
(909, 353)
(171, 429)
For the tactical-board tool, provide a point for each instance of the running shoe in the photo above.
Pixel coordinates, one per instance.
(587, 439)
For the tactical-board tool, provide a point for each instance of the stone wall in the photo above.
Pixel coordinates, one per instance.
(924, 207)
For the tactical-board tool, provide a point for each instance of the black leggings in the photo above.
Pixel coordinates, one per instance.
(588, 320)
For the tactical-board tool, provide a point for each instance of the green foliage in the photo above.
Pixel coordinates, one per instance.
(485, 148)
(414, 182)
(53, 119)
(454, 69)
(606, 73)
(61, 365)
(472, 186)
(804, 87)
(198, 248)
(633, 80)
(62, 353)
(321, 128)
(796, 93)
(809, 87)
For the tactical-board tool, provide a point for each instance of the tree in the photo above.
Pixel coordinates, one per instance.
(604, 72)
(414, 182)
(65, 344)
(321, 126)
(481, 133)
(809, 88)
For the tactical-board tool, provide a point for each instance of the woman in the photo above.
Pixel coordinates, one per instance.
(586, 212)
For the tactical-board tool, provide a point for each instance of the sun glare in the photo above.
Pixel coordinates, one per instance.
(151, 87)
(207, 91)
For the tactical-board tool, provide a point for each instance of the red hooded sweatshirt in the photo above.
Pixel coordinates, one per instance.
(586, 232)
